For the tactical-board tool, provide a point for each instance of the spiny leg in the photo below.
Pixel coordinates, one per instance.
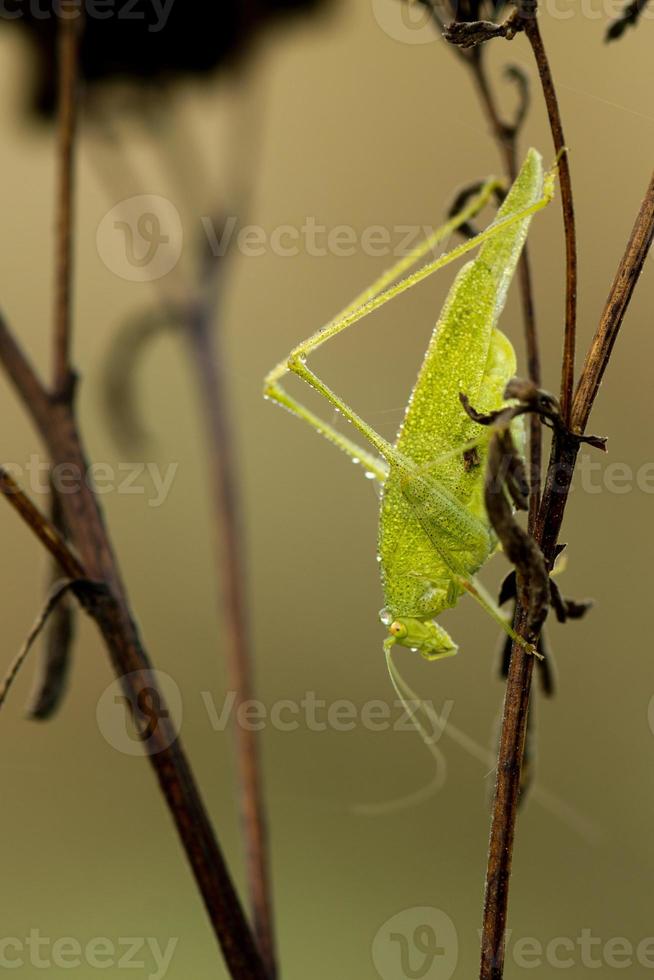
(379, 298)
(373, 299)
(273, 389)
(370, 464)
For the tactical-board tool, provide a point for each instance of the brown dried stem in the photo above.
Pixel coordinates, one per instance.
(110, 609)
(53, 413)
(208, 363)
(516, 703)
(58, 637)
(532, 30)
(621, 290)
(43, 528)
(68, 46)
(200, 327)
(506, 137)
(57, 595)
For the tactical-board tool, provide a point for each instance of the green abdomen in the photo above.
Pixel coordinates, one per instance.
(423, 547)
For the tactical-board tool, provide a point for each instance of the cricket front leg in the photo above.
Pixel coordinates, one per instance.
(370, 464)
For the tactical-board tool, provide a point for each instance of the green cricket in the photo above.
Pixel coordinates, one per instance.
(434, 533)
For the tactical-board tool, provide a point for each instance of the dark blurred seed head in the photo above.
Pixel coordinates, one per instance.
(148, 42)
(469, 10)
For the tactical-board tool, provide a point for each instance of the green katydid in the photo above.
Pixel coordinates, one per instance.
(434, 534)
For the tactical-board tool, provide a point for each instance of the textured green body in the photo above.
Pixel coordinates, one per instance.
(433, 526)
(434, 533)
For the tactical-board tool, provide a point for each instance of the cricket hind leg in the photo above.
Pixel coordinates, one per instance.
(372, 298)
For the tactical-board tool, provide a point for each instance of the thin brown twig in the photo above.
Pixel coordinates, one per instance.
(518, 687)
(619, 297)
(68, 48)
(55, 596)
(43, 528)
(196, 320)
(58, 637)
(472, 36)
(208, 363)
(506, 137)
(110, 609)
(532, 30)
(55, 657)
(54, 416)
(27, 384)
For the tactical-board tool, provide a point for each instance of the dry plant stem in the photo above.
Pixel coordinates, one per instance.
(196, 320)
(57, 595)
(208, 364)
(58, 635)
(54, 416)
(68, 43)
(54, 668)
(532, 30)
(44, 529)
(506, 139)
(619, 297)
(55, 421)
(516, 703)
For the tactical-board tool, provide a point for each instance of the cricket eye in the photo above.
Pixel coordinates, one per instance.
(398, 630)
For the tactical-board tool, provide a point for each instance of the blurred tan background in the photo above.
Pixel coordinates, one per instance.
(359, 128)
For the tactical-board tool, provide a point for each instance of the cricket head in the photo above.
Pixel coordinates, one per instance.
(424, 637)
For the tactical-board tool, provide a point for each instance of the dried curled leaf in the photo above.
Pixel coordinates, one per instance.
(628, 18)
